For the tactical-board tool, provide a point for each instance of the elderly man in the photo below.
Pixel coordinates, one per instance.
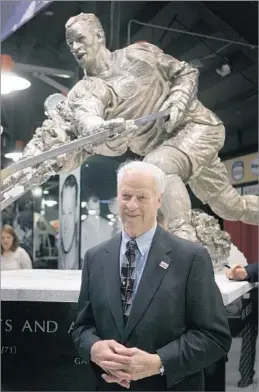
(150, 316)
(139, 80)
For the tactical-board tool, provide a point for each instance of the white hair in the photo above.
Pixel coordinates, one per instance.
(144, 167)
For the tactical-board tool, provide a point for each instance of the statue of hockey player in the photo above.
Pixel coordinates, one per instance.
(133, 82)
(139, 80)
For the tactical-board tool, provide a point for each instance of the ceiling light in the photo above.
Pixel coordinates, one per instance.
(91, 212)
(17, 153)
(11, 82)
(37, 192)
(83, 204)
(45, 192)
(110, 216)
(83, 217)
(50, 203)
(64, 76)
(110, 223)
(224, 70)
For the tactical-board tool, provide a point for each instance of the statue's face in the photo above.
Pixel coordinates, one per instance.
(84, 44)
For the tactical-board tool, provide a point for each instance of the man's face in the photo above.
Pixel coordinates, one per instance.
(84, 44)
(138, 202)
(68, 217)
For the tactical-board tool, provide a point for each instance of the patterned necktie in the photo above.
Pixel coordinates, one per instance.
(128, 278)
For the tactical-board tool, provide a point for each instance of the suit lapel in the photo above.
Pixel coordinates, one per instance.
(151, 278)
(111, 269)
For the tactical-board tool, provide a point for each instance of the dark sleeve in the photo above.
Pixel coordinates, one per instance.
(84, 331)
(207, 337)
(252, 270)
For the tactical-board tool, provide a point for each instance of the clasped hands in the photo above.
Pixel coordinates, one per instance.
(123, 365)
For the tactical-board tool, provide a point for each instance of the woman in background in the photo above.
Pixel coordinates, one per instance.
(13, 257)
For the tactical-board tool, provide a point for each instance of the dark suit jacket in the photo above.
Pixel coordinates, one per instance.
(252, 270)
(177, 312)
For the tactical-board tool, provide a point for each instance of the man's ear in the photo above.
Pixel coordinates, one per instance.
(160, 198)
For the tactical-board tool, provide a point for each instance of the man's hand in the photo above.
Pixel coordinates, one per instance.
(143, 364)
(104, 352)
(236, 272)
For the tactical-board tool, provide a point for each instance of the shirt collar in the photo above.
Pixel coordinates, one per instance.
(143, 241)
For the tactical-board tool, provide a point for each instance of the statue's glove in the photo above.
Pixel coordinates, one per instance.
(120, 131)
(176, 115)
(119, 125)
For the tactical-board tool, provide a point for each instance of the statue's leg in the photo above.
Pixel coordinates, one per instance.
(212, 186)
(176, 205)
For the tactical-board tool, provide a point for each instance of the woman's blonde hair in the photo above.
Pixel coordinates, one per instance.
(10, 230)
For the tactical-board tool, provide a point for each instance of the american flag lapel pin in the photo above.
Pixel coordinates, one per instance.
(163, 264)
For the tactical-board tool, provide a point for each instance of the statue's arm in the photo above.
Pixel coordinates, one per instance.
(184, 87)
(182, 76)
(87, 101)
(184, 81)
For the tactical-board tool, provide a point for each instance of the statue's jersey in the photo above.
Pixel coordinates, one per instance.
(137, 84)
(137, 89)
